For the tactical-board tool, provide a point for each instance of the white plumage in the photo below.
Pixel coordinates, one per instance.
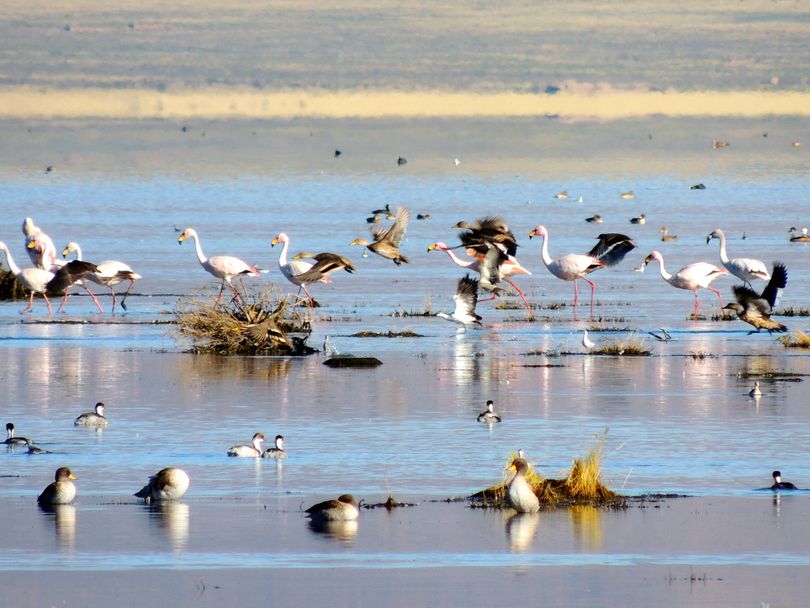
(746, 269)
(466, 298)
(691, 277)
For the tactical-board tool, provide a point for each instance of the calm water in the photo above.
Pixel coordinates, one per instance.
(669, 422)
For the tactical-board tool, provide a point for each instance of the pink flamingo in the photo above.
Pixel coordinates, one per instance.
(690, 277)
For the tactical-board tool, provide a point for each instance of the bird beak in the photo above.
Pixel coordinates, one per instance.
(432, 246)
(355, 242)
(708, 238)
(72, 476)
(533, 234)
(31, 244)
(65, 252)
(274, 242)
(648, 259)
(181, 238)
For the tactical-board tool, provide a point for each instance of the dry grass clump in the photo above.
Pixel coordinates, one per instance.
(798, 340)
(256, 323)
(631, 347)
(790, 311)
(10, 288)
(582, 485)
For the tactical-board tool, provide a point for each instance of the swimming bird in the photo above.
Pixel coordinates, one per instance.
(32, 449)
(586, 341)
(248, 451)
(386, 242)
(167, 484)
(756, 391)
(488, 415)
(294, 270)
(61, 491)
(666, 237)
(277, 452)
(746, 269)
(778, 484)
(45, 282)
(110, 273)
(325, 264)
(641, 219)
(797, 237)
(466, 298)
(561, 195)
(697, 187)
(39, 245)
(627, 195)
(719, 144)
(343, 509)
(594, 219)
(608, 251)
(424, 216)
(95, 418)
(223, 267)
(374, 219)
(519, 494)
(691, 277)
(755, 309)
(11, 440)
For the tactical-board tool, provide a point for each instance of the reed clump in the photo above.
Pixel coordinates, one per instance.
(582, 485)
(631, 347)
(10, 288)
(256, 323)
(797, 340)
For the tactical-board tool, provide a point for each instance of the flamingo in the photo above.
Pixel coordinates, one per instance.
(746, 269)
(110, 273)
(690, 277)
(294, 269)
(223, 267)
(39, 245)
(509, 267)
(610, 250)
(44, 282)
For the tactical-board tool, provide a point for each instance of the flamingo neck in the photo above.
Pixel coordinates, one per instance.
(198, 247)
(457, 260)
(78, 252)
(723, 254)
(666, 276)
(15, 270)
(544, 252)
(282, 258)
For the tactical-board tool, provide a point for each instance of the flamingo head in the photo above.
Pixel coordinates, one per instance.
(186, 234)
(653, 256)
(438, 247)
(714, 234)
(69, 248)
(281, 238)
(539, 231)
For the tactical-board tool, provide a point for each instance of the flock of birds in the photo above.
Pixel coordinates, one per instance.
(490, 250)
(171, 483)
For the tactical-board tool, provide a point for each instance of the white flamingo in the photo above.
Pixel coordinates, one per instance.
(691, 277)
(292, 269)
(610, 250)
(746, 269)
(39, 246)
(508, 268)
(223, 267)
(110, 273)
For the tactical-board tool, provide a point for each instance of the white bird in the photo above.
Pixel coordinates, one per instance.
(610, 250)
(223, 267)
(488, 415)
(39, 245)
(110, 273)
(466, 298)
(254, 450)
(292, 269)
(691, 277)
(277, 452)
(746, 269)
(519, 494)
(586, 341)
(45, 282)
(756, 391)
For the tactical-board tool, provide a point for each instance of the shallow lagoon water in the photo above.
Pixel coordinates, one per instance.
(679, 421)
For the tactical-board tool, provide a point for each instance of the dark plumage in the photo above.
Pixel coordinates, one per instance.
(491, 229)
(67, 275)
(778, 484)
(755, 309)
(326, 263)
(612, 247)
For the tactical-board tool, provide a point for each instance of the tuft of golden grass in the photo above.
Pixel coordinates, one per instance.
(798, 340)
(631, 347)
(254, 323)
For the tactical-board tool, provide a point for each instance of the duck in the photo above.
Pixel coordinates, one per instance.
(277, 452)
(755, 309)
(666, 237)
(344, 508)
(519, 494)
(32, 449)
(595, 219)
(248, 451)
(488, 415)
(61, 491)
(797, 237)
(778, 484)
(167, 484)
(718, 144)
(627, 195)
(95, 418)
(424, 216)
(11, 439)
(561, 196)
(386, 242)
(641, 219)
(756, 391)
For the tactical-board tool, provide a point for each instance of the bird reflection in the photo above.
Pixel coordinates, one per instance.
(343, 531)
(587, 524)
(521, 529)
(173, 518)
(64, 518)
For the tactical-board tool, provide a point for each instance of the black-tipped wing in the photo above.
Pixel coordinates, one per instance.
(778, 281)
(68, 275)
(466, 297)
(489, 268)
(326, 263)
(490, 229)
(612, 247)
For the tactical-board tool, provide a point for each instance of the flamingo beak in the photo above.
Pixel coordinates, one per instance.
(533, 234)
(31, 245)
(274, 242)
(181, 238)
(65, 252)
(648, 259)
(432, 246)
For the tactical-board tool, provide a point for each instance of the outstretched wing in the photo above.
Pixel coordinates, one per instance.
(778, 281)
(490, 268)
(466, 297)
(396, 232)
(612, 247)
(68, 274)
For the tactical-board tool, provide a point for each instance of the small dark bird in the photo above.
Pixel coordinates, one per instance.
(401, 160)
(755, 309)
(49, 168)
(698, 187)
(184, 129)
(718, 145)
(778, 484)
(423, 216)
(338, 153)
(594, 219)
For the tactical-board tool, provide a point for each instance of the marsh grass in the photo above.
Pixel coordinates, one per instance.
(798, 340)
(631, 347)
(582, 485)
(10, 288)
(254, 323)
(792, 312)
(388, 334)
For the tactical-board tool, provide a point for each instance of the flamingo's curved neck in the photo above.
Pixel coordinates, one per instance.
(723, 254)
(200, 254)
(663, 270)
(78, 252)
(544, 251)
(458, 261)
(15, 270)
(282, 258)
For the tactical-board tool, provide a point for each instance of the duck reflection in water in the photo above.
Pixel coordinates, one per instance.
(343, 531)
(64, 519)
(521, 530)
(171, 518)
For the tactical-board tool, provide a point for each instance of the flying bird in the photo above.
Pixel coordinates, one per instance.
(755, 309)
(466, 298)
(386, 242)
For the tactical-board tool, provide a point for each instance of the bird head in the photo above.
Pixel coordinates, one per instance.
(653, 256)
(738, 308)
(437, 247)
(184, 235)
(281, 238)
(714, 234)
(359, 242)
(461, 224)
(539, 231)
(69, 248)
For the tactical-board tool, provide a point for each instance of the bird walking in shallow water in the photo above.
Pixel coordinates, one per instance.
(755, 309)
(110, 273)
(746, 269)
(488, 415)
(691, 277)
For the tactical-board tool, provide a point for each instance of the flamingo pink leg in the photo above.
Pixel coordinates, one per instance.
(30, 304)
(522, 296)
(593, 290)
(696, 305)
(124, 301)
(64, 300)
(717, 292)
(48, 302)
(95, 299)
(576, 293)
